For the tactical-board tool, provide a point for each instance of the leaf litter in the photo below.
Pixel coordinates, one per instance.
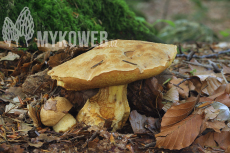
(184, 108)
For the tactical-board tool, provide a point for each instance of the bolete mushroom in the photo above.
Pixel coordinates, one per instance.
(55, 113)
(111, 69)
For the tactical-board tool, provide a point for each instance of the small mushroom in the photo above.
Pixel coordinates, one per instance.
(55, 113)
(111, 69)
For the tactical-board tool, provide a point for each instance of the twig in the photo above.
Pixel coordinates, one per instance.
(180, 75)
(211, 48)
(76, 137)
(94, 135)
(222, 73)
(39, 85)
(198, 64)
(177, 86)
(217, 60)
(183, 81)
(190, 55)
(215, 67)
(152, 144)
(206, 56)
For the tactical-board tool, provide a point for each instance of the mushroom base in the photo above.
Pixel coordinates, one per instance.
(110, 103)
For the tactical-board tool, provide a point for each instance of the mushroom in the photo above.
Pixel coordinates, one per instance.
(111, 69)
(55, 113)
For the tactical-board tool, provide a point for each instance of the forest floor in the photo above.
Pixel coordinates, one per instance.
(184, 109)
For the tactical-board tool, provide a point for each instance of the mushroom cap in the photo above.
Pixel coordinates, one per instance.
(54, 110)
(126, 62)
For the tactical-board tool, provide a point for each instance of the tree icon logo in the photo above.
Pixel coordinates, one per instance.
(24, 26)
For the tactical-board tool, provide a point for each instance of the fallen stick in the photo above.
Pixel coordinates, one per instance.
(197, 64)
(206, 56)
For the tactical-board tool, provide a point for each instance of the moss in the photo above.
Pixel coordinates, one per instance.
(113, 16)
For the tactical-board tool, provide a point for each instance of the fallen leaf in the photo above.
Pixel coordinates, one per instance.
(32, 112)
(181, 134)
(177, 113)
(51, 47)
(57, 59)
(183, 87)
(199, 70)
(6, 46)
(224, 113)
(137, 122)
(111, 139)
(46, 138)
(172, 95)
(163, 76)
(36, 68)
(224, 99)
(10, 57)
(210, 84)
(214, 139)
(37, 83)
(37, 145)
(15, 91)
(215, 125)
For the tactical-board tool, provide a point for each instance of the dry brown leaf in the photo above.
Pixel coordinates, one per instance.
(163, 76)
(184, 70)
(55, 47)
(6, 46)
(180, 135)
(137, 122)
(224, 99)
(32, 112)
(37, 145)
(172, 95)
(211, 113)
(210, 84)
(177, 113)
(37, 83)
(216, 125)
(142, 124)
(183, 93)
(205, 99)
(10, 57)
(156, 89)
(219, 91)
(15, 91)
(213, 139)
(199, 70)
(57, 59)
(226, 69)
(36, 68)
(227, 90)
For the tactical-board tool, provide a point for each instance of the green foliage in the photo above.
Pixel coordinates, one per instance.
(171, 23)
(225, 33)
(185, 31)
(113, 16)
(192, 72)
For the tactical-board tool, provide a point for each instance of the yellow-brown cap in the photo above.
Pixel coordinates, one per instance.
(54, 110)
(124, 62)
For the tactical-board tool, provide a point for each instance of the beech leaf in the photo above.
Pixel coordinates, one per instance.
(180, 135)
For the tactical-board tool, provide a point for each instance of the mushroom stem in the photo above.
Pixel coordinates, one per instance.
(67, 122)
(110, 103)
